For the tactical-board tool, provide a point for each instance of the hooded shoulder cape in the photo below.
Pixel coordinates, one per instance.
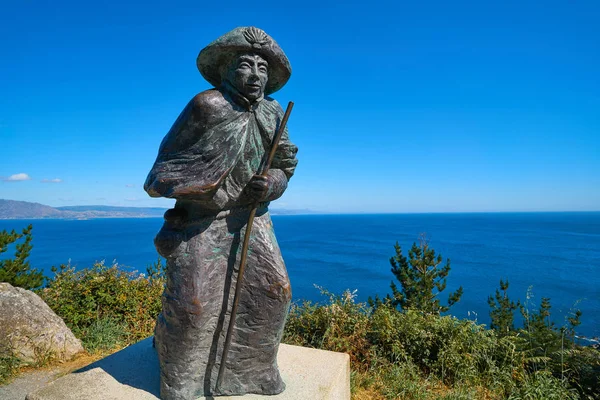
(218, 132)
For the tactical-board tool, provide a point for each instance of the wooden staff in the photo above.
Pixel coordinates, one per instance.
(240, 277)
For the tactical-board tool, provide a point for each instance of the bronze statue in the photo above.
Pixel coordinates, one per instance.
(209, 162)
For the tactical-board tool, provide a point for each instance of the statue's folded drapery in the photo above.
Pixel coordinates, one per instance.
(217, 131)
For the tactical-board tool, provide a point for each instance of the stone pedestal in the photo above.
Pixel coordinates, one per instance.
(133, 374)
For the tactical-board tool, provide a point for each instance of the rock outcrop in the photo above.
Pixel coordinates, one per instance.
(30, 330)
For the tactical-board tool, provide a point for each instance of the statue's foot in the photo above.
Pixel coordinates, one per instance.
(272, 385)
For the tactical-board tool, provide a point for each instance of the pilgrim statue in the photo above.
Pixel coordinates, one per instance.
(208, 162)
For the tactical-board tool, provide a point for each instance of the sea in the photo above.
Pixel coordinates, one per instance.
(554, 255)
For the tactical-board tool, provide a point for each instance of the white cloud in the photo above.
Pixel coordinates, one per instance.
(55, 180)
(18, 177)
(130, 185)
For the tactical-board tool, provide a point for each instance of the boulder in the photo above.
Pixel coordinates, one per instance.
(30, 330)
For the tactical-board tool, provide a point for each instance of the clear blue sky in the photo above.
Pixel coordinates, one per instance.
(400, 107)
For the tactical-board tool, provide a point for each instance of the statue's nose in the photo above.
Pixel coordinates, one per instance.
(254, 71)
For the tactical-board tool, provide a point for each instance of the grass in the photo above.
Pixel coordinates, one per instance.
(105, 334)
(9, 366)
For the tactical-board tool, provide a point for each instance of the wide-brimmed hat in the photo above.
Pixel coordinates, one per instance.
(241, 40)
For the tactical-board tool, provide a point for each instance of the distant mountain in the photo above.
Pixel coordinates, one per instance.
(11, 209)
(150, 211)
(285, 211)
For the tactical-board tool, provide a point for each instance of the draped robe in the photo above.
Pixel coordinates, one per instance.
(205, 162)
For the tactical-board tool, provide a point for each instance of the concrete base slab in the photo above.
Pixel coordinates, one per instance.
(133, 374)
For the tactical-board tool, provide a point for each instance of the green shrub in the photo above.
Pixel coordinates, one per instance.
(455, 351)
(341, 325)
(541, 385)
(554, 349)
(87, 299)
(582, 369)
(415, 355)
(403, 381)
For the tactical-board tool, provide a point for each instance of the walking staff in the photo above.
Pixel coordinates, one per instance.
(240, 277)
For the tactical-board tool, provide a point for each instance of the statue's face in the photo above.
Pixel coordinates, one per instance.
(249, 75)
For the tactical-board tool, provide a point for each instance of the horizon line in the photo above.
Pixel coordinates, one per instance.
(306, 211)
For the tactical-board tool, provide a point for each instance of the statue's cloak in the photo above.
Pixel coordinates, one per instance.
(205, 162)
(210, 137)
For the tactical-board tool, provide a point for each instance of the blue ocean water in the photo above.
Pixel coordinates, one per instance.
(556, 254)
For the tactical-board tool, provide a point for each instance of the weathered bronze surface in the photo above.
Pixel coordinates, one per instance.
(244, 257)
(209, 162)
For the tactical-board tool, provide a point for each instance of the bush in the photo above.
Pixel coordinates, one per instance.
(101, 302)
(341, 325)
(541, 385)
(403, 381)
(415, 355)
(554, 349)
(454, 351)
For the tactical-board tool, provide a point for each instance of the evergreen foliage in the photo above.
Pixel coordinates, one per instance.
(555, 350)
(541, 334)
(422, 278)
(502, 310)
(103, 304)
(17, 270)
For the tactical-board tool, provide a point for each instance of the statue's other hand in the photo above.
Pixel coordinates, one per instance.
(259, 187)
